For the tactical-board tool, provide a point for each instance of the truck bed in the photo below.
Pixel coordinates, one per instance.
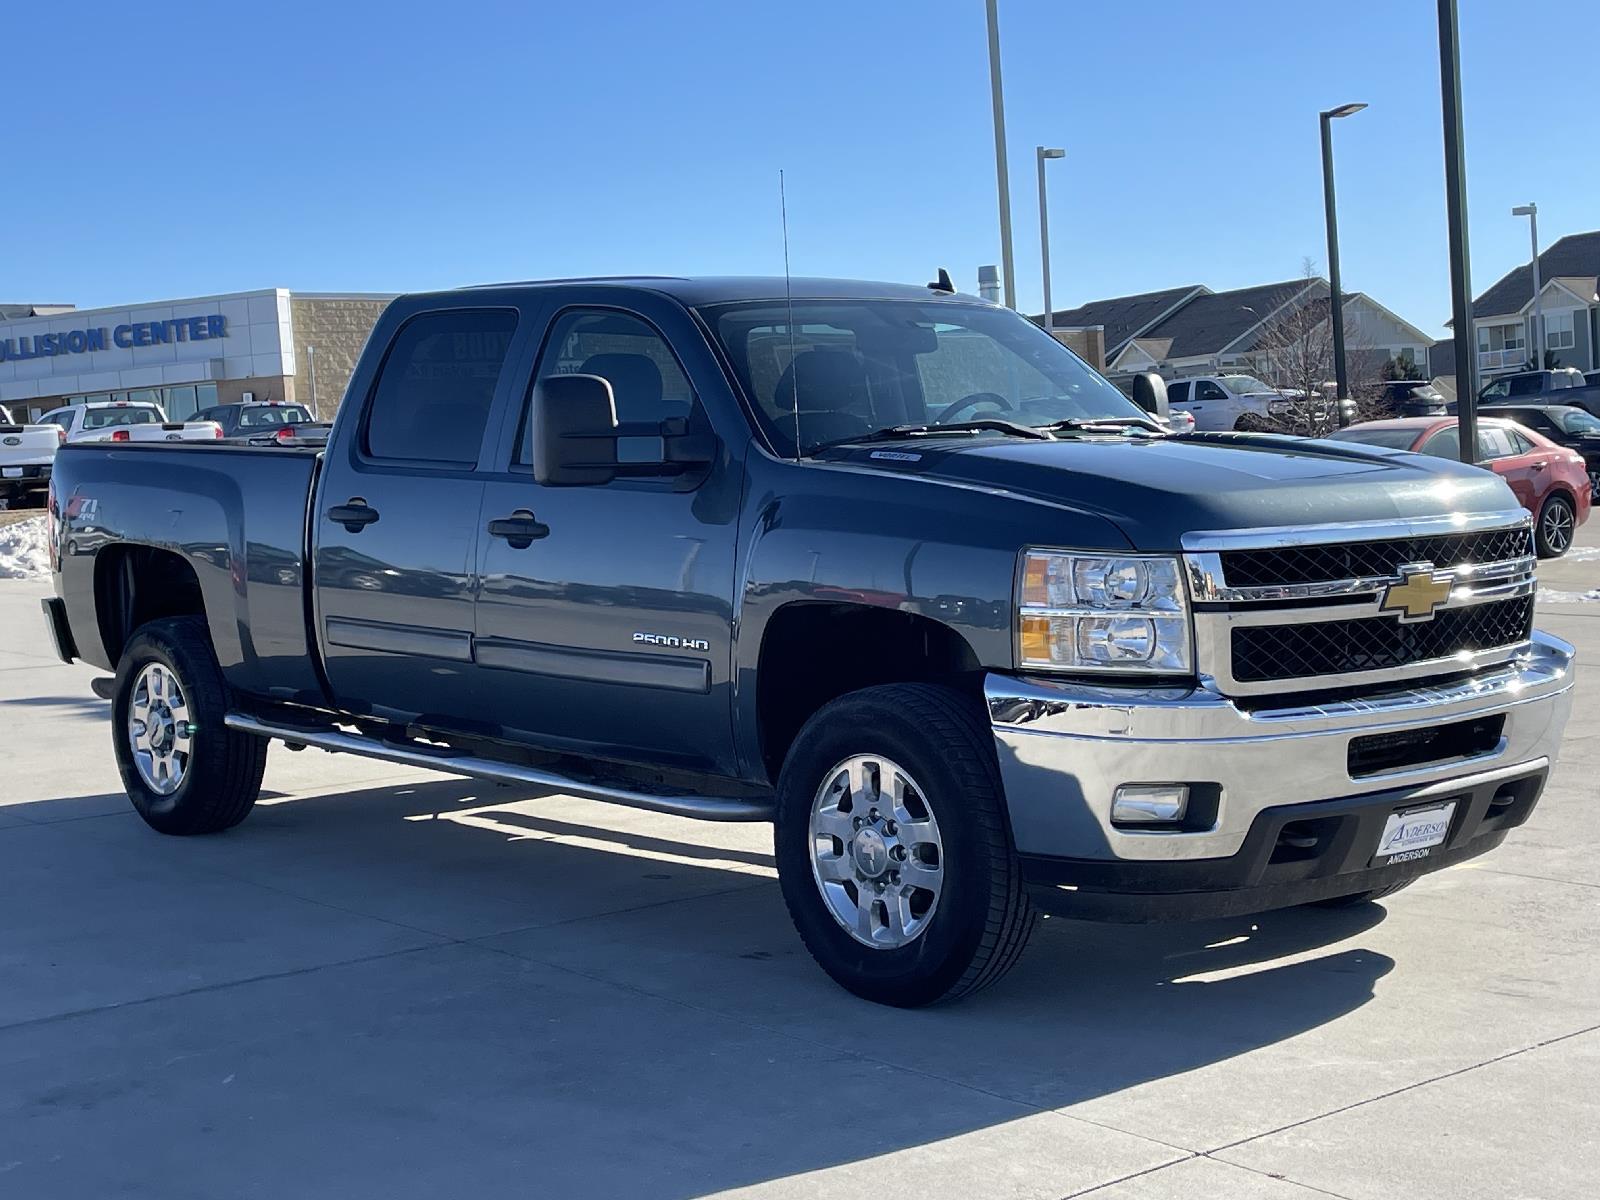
(241, 511)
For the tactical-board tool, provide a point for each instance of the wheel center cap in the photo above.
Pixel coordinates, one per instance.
(871, 852)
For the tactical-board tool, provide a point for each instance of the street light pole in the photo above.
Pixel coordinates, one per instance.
(1002, 174)
(1455, 196)
(1041, 153)
(1335, 292)
(1531, 211)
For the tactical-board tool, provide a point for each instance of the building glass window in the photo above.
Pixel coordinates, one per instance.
(1558, 331)
(180, 403)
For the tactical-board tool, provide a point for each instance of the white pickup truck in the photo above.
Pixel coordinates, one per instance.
(1217, 402)
(127, 421)
(26, 455)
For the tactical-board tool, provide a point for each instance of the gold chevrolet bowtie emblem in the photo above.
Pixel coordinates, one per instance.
(1418, 594)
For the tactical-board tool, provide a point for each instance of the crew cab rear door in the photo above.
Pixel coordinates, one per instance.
(605, 628)
(397, 513)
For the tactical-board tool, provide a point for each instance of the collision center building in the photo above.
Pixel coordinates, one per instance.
(186, 355)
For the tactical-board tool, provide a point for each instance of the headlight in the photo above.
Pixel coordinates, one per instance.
(1096, 612)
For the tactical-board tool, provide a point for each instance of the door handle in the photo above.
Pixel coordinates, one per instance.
(520, 529)
(355, 515)
(1539, 466)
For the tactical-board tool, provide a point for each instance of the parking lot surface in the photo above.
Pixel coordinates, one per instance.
(392, 983)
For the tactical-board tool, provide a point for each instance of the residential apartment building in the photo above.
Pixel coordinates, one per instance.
(1192, 330)
(1503, 317)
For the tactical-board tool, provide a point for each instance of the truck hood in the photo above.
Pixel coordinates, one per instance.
(1158, 489)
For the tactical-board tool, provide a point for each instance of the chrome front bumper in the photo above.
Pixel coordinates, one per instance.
(1064, 748)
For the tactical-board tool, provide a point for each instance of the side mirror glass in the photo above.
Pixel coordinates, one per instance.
(1150, 394)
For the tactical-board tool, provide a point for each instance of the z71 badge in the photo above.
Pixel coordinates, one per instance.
(670, 641)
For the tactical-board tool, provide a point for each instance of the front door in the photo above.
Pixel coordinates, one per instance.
(604, 614)
(397, 518)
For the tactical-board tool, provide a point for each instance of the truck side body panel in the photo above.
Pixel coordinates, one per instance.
(235, 515)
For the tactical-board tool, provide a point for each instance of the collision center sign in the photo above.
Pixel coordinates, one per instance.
(124, 337)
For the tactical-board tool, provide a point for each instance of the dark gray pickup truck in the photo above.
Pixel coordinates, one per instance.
(884, 564)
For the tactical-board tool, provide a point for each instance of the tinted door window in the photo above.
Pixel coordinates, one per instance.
(1178, 393)
(433, 393)
(1206, 390)
(646, 381)
(1525, 385)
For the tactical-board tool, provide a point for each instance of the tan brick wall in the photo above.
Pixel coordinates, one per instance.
(338, 328)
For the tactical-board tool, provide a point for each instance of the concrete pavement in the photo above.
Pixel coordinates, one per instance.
(389, 983)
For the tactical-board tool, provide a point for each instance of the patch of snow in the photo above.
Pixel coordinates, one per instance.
(1552, 596)
(1583, 554)
(22, 550)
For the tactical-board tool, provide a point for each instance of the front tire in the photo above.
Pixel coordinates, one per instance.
(1557, 522)
(185, 772)
(893, 851)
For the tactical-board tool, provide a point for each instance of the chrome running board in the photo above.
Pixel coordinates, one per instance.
(705, 808)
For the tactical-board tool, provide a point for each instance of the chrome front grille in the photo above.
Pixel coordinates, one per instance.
(1335, 607)
(1361, 560)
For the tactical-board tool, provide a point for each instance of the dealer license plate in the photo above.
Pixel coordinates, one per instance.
(1414, 833)
(11, 472)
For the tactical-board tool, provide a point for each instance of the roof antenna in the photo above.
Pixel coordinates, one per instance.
(944, 283)
(788, 303)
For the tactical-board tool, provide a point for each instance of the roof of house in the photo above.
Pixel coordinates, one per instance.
(1577, 254)
(1125, 317)
(1214, 321)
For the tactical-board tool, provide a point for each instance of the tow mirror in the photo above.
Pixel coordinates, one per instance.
(1150, 394)
(577, 439)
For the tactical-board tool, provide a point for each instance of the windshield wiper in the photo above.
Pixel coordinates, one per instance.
(977, 425)
(1070, 424)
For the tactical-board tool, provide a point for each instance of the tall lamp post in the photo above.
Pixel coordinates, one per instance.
(1455, 203)
(1002, 174)
(1335, 293)
(1041, 153)
(1531, 211)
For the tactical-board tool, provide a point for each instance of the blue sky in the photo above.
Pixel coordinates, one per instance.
(157, 151)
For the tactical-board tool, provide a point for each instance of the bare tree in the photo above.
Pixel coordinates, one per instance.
(1294, 352)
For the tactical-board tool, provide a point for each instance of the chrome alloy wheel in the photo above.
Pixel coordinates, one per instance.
(1557, 526)
(875, 852)
(158, 729)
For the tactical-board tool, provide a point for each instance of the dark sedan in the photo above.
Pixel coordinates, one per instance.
(1561, 423)
(257, 422)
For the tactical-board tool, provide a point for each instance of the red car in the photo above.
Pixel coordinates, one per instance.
(1550, 481)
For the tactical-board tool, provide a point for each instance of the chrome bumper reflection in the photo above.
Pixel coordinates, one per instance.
(1065, 747)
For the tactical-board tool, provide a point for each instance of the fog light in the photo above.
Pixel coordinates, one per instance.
(1149, 803)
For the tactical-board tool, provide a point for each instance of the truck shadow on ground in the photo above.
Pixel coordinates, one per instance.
(663, 920)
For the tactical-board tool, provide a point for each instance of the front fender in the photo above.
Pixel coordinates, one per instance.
(838, 533)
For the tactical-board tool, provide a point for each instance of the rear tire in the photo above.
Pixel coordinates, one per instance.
(1366, 897)
(1557, 523)
(185, 772)
(923, 753)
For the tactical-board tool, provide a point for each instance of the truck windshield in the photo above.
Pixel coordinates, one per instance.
(104, 418)
(1577, 421)
(849, 367)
